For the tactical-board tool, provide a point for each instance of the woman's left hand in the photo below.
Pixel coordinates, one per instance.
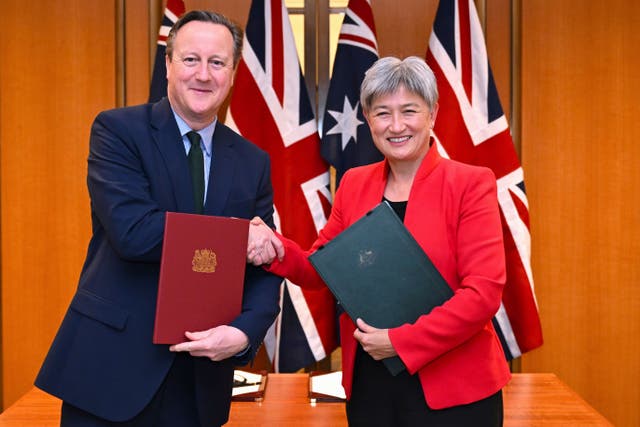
(374, 341)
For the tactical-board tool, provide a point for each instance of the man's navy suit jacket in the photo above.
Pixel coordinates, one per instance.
(102, 359)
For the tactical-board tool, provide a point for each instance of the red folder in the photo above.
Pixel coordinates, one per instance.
(201, 274)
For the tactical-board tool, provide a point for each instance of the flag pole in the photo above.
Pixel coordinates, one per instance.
(310, 51)
(155, 20)
(121, 66)
(516, 77)
(322, 60)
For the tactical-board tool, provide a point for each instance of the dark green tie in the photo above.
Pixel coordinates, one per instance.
(196, 165)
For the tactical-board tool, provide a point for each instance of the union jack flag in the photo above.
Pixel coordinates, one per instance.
(270, 106)
(346, 139)
(472, 128)
(158, 88)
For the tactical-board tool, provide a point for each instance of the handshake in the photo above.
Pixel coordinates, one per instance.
(263, 245)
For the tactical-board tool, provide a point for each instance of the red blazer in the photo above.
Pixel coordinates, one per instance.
(453, 214)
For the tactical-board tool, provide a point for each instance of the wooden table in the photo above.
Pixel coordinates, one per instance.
(529, 400)
(544, 400)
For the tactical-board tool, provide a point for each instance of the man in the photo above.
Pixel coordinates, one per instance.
(102, 363)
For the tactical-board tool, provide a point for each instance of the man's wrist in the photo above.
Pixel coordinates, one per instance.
(243, 352)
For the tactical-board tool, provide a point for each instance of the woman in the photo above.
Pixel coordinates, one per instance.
(455, 364)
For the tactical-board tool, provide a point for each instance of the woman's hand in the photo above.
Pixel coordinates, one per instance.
(374, 341)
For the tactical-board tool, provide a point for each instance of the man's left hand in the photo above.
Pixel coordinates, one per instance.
(217, 344)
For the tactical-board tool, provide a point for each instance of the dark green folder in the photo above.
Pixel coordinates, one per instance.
(379, 273)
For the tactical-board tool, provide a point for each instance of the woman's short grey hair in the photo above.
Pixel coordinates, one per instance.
(387, 74)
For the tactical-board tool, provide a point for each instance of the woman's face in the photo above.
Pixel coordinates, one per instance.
(401, 124)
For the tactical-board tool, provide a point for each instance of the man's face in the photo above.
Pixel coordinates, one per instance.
(200, 72)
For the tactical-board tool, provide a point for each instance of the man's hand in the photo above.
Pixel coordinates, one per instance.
(374, 341)
(263, 246)
(217, 343)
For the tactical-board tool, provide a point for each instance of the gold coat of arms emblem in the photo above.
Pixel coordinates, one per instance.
(204, 261)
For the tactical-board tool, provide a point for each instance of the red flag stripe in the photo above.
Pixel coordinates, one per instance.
(465, 47)
(277, 49)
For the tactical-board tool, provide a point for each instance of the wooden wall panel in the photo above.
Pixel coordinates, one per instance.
(57, 73)
(580, 134)
(403, 28)
(137, 51)
(237, 10)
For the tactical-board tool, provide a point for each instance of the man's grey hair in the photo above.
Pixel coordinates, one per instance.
(214, 18)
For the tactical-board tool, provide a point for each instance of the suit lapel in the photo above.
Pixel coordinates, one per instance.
(221, 174)
(166, 135)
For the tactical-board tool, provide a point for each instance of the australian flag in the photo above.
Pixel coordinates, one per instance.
(158, 88)
(346, 139)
